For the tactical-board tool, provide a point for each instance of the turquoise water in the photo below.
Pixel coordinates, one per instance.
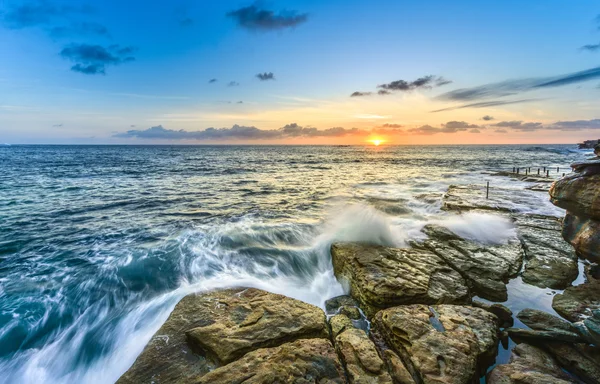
(98, 243)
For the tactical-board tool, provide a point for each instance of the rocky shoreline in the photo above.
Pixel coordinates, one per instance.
(428, 313)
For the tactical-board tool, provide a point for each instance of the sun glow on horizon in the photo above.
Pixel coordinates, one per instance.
(376, 141)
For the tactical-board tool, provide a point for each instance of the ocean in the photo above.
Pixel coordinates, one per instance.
(98, 243)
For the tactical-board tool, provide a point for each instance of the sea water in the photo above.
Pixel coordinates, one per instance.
(98, 243)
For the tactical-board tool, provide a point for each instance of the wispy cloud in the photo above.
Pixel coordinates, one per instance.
(186, 22)
(449, 127)
(211, 81)
(425, 82)
(487, 118)
(93, 59)
(233, 84)
(78, 30)
(576, 125)
(520, 125)
(266, 76)
(591, 47)
(37, 13)
(257, 19)
(486, 104)
(360, 94)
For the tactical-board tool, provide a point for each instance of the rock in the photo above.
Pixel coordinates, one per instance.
(398, 371)
(592, 325)
(582, 360)
(504, 315)
(333, 305)
(472, 197)
(584, 235)
(302, 361)
(207, 330)
(534, 337)
(486, 269)
(529, 365)
(549, 261)
(588, 167)
(578, 194)
(597, 150)
(543, 321)
(360, 358)
(380, 277)
(339, 323)
(441, 343)
(577, 303)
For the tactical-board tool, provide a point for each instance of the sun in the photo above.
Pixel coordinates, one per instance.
(376, 142)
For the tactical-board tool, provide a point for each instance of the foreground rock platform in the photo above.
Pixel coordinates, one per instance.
(381, 277)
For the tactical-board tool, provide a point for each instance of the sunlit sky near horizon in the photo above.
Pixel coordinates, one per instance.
(299, 72)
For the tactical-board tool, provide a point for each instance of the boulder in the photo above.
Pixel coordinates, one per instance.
(360, 358)
(550, 262)
(504, 315)
(345, 305)
(581, 360)
(535, 337)
(381, 277)
(577, 303)
(302, 361)
(339, 323)
(442, 343)
(529, 365)
(208, 330)
(486, 268)
(587, 167)
(578, 194)
(543, 321)
(584, 235)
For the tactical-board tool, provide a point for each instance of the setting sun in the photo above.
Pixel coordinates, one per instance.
(376, 142)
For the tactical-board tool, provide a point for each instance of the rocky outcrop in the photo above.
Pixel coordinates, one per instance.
(381, 277)
(464, 198)
(441, 343)
(302, 361)
(584, 235)
(577, 303)
(212, 329)
(360, 358)
(581, 360)
(486, 268)
(529, 365)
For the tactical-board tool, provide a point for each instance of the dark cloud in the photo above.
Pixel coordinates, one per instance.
(520, 126)
(576, 125)
(238, 132)
(388, 125)
(212, 81)
(425, 82)
(36, 13)
(233, 84)
(256, 19)
(266, 76)
(485, 104)
(78, 30)
(487, 118)
(186, 22)
(459, 125)
(359, 94)
(591, 47)
(512, 87)
(383, 92)
(93, 59)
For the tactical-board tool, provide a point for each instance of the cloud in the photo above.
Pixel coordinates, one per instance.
(474, 131)
(383, 92)
(212, 81)
(425, 82)
(240, 102)
(186, 22)
(78, 30)
(256, 19)
(501, 131)
(387, 125)
(486, 104)
(238, 132)
(487, 118)
(520, 126)
(57, 125)
(459, 125)
(576, 125)
(512, 87)
(591, 47)
(93, 59)
(36, 13)
(360, 94)
(233, 84)
(266, 76)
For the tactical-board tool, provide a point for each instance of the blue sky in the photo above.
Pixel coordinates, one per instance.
(139, 71)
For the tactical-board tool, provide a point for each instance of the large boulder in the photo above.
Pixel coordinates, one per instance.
(578, 194)
(442, 343)
(543, 321)
(302, 362)
(577, 303)
(486, 268)
(208, 330)
(584, 235)
(360, 358)
(381, 277)
(529, 365)
(550, 262)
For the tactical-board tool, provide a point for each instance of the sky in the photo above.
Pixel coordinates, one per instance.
(299, 72)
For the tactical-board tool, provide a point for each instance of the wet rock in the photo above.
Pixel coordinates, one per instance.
(380, 277)
(534, 336)
(592, 325)
(302, 361)
(578, 194)
(473, 197)
(339, 323)
(581, 360)
(360, 358)
(588, 167)
(550, 262)
(577, 303)
(335, 303)
(397, 369)
(584, 235)
(504, 315)
(441, 343)
(529, 365)
(486, 268)
(543, 321)
(208, 329)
